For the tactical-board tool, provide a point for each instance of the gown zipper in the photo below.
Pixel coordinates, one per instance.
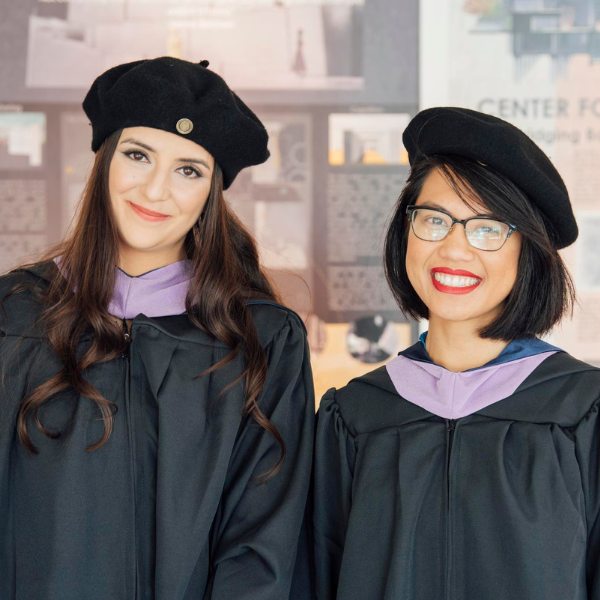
(450, 428)
(127, 338)
(126, 356)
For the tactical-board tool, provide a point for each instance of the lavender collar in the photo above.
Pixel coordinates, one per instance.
(157, 293)
(454, 395)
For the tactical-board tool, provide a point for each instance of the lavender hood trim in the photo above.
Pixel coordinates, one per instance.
(157, 293)
(454, 395)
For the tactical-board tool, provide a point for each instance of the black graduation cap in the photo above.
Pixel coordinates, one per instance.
(502, 146)
(181, 97)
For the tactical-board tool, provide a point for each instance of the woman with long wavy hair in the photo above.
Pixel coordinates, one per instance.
(156, 402)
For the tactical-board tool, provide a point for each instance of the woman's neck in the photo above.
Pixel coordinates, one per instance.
(457, 347)
(136, 263)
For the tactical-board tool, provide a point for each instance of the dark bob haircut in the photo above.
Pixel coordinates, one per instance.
(543, 292)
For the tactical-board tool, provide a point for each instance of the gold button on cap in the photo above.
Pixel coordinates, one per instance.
(184, 126)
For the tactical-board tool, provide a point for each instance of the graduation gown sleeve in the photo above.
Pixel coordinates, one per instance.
(22, 353)
(335, 455)
(256, 531)
(587, 439)
(17, 355)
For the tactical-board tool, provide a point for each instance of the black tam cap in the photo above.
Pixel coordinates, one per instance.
(501, 146)
(183, 98)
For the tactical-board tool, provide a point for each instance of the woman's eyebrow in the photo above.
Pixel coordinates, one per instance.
(433, 205)
(436, 205)
(138, 143)
(198, 161)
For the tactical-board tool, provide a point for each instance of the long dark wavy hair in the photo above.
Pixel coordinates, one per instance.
(226, 275)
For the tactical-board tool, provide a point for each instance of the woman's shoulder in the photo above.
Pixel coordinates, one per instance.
(271, 318)
(562, 389)
(37, 274)
(21, 293)
(369, 403)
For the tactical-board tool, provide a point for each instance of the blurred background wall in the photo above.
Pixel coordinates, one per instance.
(335, 82)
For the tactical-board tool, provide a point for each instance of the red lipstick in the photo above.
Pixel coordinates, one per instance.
(148, 215)
(458, 273)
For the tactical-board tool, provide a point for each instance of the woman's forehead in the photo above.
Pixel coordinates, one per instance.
(438, 192)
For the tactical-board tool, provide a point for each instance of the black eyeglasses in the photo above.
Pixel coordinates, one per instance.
(434, 224)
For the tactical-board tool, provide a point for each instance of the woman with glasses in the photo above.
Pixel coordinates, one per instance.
(468, 467)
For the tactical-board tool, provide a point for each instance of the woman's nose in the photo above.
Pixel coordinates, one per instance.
(455, 245)
(156, 187)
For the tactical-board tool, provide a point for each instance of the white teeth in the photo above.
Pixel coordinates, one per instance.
(455, 280)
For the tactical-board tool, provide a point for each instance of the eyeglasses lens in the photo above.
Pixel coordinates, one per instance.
(433, 226)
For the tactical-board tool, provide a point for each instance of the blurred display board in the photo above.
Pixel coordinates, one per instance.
(535, 63)
(273, 52)
(23, 185)
(334, 82)
(367, 139)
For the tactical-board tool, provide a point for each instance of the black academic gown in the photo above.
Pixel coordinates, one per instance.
(170, 508)
(503, 504)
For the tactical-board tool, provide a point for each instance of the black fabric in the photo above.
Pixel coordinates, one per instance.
(501, 505)
(502, 146)
(160, 92)
(170, 508)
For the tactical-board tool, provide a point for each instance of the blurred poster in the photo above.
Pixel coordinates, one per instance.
(254, 45)
(282, 194)
(23, 190)
(588, 263)
(22, 138)
(535, 63)
(274, 200)
(23, 220)
(367, 139)
(273, 52)
(357, 207)
(76, 158)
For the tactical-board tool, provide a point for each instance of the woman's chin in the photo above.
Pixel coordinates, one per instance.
(142, 244)
(458, 314)
(454, 314)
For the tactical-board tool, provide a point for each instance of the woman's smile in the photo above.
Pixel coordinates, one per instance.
(146, 214)
(454, 281)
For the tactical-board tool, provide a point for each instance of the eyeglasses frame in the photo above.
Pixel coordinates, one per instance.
(410, 210)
